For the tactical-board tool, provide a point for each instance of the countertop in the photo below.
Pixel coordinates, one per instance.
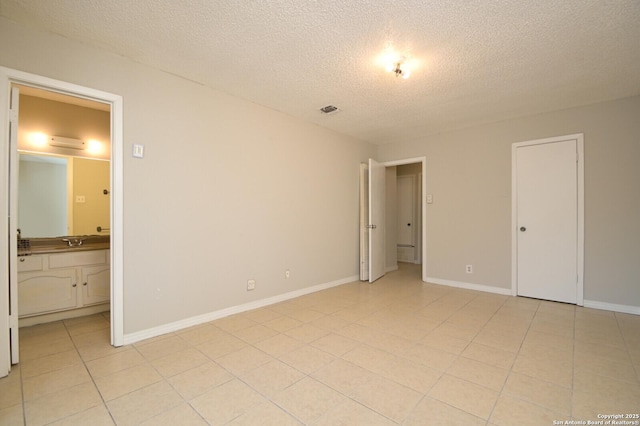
(28, 246)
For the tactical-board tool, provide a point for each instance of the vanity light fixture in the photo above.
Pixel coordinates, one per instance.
(63, 142)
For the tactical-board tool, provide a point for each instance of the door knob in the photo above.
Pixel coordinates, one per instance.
(522, 228)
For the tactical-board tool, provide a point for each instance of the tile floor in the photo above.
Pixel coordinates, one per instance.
(395, 352)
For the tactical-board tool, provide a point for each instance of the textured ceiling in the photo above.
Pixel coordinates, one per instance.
(475, 61)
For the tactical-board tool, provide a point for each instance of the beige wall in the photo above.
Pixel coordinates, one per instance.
(469, 175)
(90, 178)
(227, 191)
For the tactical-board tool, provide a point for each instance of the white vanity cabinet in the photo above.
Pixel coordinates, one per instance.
(55, 282)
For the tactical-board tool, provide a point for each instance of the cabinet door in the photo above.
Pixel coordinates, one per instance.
(96, 285)
(47, 291)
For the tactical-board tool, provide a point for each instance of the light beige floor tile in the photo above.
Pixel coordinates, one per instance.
(42, 332)
(343, 376)
(546, 353)
(38, 349)
(588, 363)
(161, 348)
(430, 357)
(92, 352)
(352, 413)
(54, 381)
(500, 340)
(200, 334)
(390, 343)
(179, 362)
(85, 325)
(183, 415)
(11, 389)
(221, 346)
(307, 332)
(335, 344)
(143, 404)
(452, 330)
(373, 359)
(387, 397)
(558, 372)
(58, 405)
(12, 415)
(272, 377)
(95, 416)
(226, 402)
(433, 412)
(266, 414)
(548, 395)
(113, 363)
(262, 315)
(608, 352)
(331, 322)
(474, 399)
(489, 355)
(412, 375)
(283, 323)
(46, 364)
(595, 394)
(307, 359)
(553, 341)
(359, 333)
(512, 411)
(195, 382)
(278, 345)
(544, 324)
(479, 373)
(244, 360)
(611, 337)
(100, 337)
(308, 400)
(445, 342)
(234, 323)
(125, 381)
(255, 333)
(305, 314)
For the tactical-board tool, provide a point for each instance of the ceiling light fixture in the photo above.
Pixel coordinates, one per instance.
(399, 68)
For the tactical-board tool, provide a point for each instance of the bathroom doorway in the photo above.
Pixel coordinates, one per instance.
(9, 339)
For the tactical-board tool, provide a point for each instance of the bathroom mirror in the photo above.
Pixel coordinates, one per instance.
(62, 195)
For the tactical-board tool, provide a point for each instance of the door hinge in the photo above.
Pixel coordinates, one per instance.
(13, 321)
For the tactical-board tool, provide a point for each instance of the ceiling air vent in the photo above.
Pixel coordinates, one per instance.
(329, 109)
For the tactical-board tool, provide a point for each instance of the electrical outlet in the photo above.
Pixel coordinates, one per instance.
(251, 285)
(287, 274)
(469, 269)
(80, 199)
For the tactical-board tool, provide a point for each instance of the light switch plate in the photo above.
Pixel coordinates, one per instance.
(138, 150)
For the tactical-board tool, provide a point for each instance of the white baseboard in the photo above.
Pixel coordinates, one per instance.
(627, 309)
(470, 286)
(211, 316)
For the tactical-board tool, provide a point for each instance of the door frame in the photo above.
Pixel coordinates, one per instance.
(423, 201)
(579, 138)
(8, 77)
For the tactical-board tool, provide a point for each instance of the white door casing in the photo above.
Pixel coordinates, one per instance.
(9, 263)
(377, 257)
(548, 226)
(364, 222)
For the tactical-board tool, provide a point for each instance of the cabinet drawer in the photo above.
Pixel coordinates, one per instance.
(29, 263)
(79, 258)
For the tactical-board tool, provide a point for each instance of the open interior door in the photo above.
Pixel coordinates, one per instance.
(376, 226)
(13, 225)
